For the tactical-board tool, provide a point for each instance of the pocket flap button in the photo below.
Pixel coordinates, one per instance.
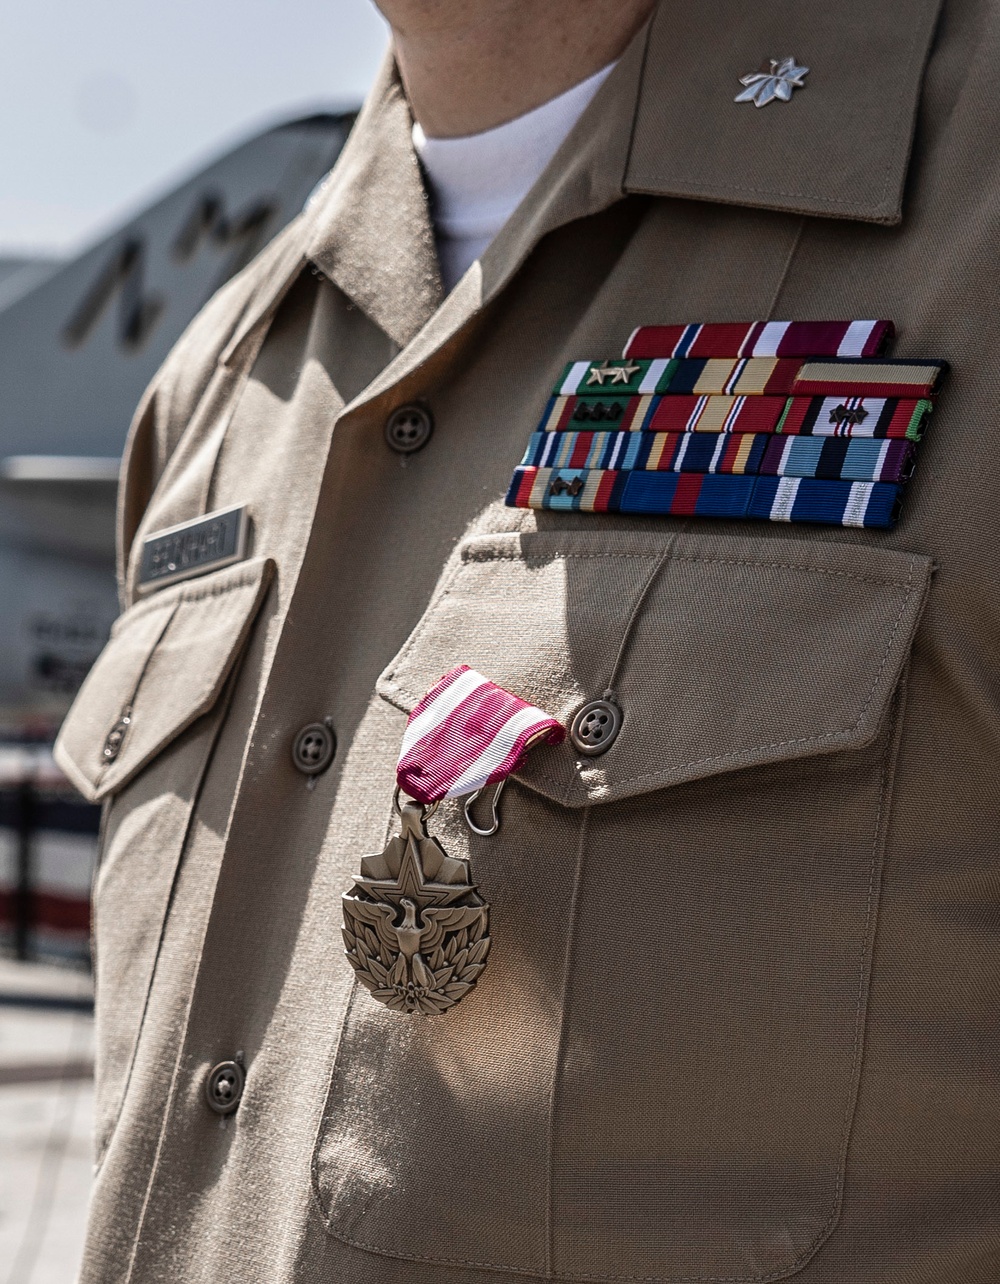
(595, 727)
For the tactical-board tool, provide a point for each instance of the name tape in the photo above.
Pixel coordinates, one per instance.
(191, 548)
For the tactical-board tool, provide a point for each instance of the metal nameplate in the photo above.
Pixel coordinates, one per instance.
(206, 544)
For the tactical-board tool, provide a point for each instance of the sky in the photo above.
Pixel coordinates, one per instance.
(105, 103)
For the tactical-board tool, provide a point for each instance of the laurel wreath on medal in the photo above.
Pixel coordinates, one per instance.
(429, 986)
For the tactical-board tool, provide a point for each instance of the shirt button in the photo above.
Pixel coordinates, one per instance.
(408, 429)
(595, 727)
(224, 1087)
(313, 748)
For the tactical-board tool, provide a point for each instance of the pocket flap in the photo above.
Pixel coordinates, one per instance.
(724, 652)
(164, 666)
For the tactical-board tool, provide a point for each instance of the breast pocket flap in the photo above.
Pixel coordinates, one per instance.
(164, 667)
(723, 652)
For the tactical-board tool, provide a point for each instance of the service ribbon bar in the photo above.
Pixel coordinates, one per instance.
(753, 376)
(835, 458)
(796, 421)
(816, 416)
(776, 499)
(762, 339)
(855, 417)
(467, 733)
(870, 379)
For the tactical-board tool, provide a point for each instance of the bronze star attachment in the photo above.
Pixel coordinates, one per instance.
(560, 486)
(848, 415)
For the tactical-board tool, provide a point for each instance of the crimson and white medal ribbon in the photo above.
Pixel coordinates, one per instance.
(467, 733)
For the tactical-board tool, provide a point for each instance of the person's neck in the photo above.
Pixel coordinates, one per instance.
(470, 65)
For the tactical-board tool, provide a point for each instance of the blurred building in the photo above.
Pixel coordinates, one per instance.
(79, 341)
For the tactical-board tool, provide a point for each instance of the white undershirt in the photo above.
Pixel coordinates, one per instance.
(475, 183)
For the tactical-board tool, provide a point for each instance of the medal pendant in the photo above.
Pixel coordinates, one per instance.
(414, 926)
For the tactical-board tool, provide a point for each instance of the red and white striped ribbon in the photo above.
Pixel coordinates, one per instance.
(466, 733)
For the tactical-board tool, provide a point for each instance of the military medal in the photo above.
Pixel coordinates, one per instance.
(415, 927)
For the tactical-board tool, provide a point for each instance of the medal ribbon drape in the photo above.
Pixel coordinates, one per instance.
(467, 733)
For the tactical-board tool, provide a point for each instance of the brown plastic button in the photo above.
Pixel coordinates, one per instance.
(595, 727)
(224, 1087)
(409, 429)
(313, 748)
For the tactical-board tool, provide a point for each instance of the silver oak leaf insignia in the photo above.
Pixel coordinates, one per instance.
(776, 81)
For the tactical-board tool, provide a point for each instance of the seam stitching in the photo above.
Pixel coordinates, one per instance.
(185, 592)
(515, 556)
(568, 956)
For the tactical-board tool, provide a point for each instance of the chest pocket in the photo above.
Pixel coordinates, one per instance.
(139, 736)
(656, 1075)
(164, 667)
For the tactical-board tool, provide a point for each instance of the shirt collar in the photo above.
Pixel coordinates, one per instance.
(664, 123)
(840, 148)
(369, 230)
(372, 229)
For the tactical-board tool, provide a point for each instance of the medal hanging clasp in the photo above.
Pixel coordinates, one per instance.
(494, 823)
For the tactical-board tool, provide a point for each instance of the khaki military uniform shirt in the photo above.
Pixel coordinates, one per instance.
(739, 1021)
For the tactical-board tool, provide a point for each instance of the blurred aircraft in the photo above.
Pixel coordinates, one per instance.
(79, 341)
(78, 344)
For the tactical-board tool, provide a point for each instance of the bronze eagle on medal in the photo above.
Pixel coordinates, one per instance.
(414, 925)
